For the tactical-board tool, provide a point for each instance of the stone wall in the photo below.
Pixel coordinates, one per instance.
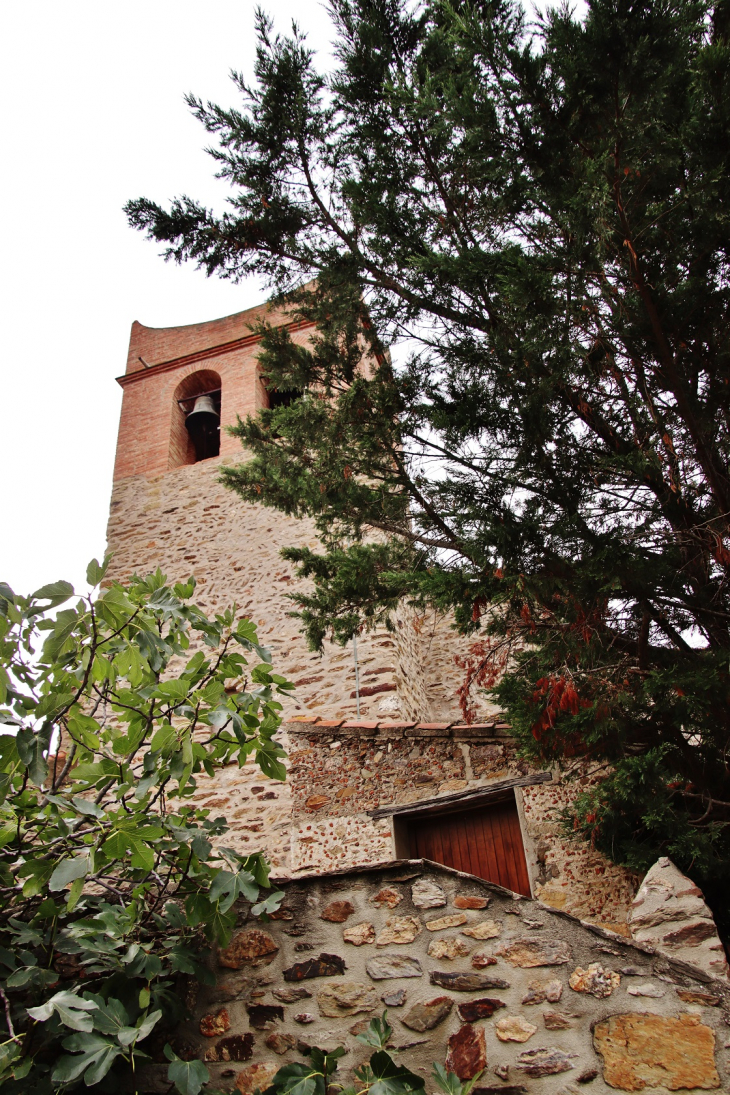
(186, 523)
(429, 675)
(471, 977)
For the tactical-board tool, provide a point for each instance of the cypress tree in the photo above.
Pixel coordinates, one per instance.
(532, 217)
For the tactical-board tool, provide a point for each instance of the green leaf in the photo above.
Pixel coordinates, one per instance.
(31, 976)
(388, 1078)
(96, 571)
(74, 893)
(447, 1081)
(73, 1010)
(31, 746)
(270, 766)
(143, 857)
(36, 872)
(298, 1079)
(174, 915)
(111, 1015)
(173, 690)
(92, 773)
(7, 832)
(187, 1076)
(269, 904)
(87, 807)
(378, 1033)
(95, 1056)
(165, 735)
(68, 870)
(146, 1024)
(115, 846)
(55, 592)
(66, 621)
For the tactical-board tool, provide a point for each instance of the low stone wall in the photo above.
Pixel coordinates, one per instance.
(533, 999)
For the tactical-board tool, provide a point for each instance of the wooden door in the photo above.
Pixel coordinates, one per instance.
(485, 841)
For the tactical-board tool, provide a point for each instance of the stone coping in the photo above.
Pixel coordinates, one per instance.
(313, 725)
(521, 904)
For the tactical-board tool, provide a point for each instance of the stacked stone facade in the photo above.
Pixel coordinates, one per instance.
(529, 1000)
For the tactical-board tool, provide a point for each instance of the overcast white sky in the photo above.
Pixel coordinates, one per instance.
(93, 115)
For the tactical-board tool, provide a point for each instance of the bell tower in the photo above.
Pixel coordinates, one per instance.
(183, 386)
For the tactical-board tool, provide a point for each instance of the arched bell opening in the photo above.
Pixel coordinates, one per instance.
(276, 398)
(196, 417)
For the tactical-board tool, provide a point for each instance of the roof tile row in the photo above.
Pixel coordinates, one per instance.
(313, 724)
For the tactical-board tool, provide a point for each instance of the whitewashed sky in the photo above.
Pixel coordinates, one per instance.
(92, 115)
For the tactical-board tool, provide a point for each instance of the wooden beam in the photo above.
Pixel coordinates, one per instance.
(472, 797)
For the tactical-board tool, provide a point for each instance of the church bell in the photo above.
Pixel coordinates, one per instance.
(203, 425)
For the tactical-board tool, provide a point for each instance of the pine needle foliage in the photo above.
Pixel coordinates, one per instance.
(530, 214)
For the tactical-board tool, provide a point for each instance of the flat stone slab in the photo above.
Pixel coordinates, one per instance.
(513, 1028)
(346, 998)
(423, 1017)
(670, 913)
(480, 960)
(256, 1077)
(289, 996)
(487, 929)
(706, 999)
(327, 965)
(465, 901)
(641, 1051)
(383, 966)
(387, 897)
(473, 1010)
(247, 947)
(215, 1024)
(264, 1016)
(501, 1089)
(236, 1047)
(455, 920)
(427, 895)
(596, 980)
(545, 1061)
(337, 911)
(399, 929)
(280, 1043)
(539, 991)
(553, 1020)
(466, 1054)
(359, 934)
(448, 948)
(647, 989)
(527, 953)
(466, 982)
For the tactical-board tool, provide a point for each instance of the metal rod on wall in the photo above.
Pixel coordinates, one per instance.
(357, 674)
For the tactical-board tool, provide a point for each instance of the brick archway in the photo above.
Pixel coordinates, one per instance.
(197, 383)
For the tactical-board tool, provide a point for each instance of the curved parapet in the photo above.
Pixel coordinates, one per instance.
(162, 361)
(151, 347)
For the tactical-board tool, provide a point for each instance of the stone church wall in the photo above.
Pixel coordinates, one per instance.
(532, 999)
(182, 520)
